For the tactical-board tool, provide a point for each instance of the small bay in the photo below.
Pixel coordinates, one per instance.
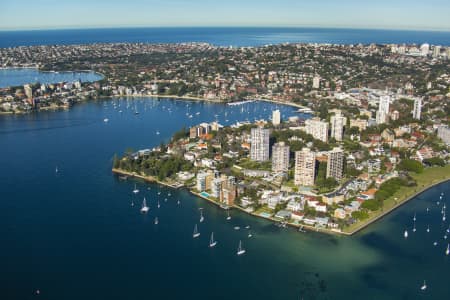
(21, 76)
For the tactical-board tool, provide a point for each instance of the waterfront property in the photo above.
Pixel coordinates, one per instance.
(232, 169)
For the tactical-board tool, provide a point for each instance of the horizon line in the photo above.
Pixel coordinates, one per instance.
(221, 26)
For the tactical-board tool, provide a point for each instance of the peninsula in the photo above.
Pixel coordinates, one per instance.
(380, 130)
(304, 173)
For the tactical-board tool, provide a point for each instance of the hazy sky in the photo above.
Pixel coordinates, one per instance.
(390, 14)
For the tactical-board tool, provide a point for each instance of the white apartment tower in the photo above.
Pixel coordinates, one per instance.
(259, 150)
(335, 164)
(316, 82)
(425, 49)
(383, 109)
(280, 157)
(417, 110)
(437, 51)
(338, 122)
(305, 167)
(317, 128)
(28, 91)
(276, 117)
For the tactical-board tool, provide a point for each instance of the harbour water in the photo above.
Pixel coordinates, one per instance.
(221, 36)
(19, 77)
(74, 234)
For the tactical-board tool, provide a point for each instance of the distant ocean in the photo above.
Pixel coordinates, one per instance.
(221, 36)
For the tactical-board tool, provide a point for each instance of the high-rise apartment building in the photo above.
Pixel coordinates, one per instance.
(335, 164)
(338, 122)
(383, 110)
(280, 157)
(276, 117)
(316, 82)
(305, 167)
(259, 150)
(317, 128)
(417, 110)
(28, 91)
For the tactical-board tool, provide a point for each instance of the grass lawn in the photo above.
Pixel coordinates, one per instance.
(264, 209)
(255, 165)
(425, 179)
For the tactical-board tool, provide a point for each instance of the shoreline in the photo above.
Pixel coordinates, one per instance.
(399, 204)
(53, 71)
(152, 179)
(217, 101)
(335, 232)
(156, 97)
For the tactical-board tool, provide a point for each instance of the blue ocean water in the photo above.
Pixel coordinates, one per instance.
(16, 77)
(75, 234)
(234, 36)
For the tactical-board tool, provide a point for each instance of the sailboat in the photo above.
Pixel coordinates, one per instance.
(196, 234)
(443, 217)
(135, 189)
(201, 216)
(414, 227)
(56, 169)
(447, 251)
(405, 234)
(249, 234)
(424, 286)
(228, 217)
(240, 250)
(414, 219)
(144, 208)
(212, 242)
(428, 228)
(159, 205)
(156, 221)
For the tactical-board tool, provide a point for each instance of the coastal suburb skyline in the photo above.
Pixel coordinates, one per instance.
(383, 14)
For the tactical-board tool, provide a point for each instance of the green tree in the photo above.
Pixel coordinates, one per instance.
(411, 165)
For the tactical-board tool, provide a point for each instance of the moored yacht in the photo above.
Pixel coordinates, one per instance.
(144, 208)
(196, 234)
(240, 250)
(424, 286)
(212, 242)
(135, 189)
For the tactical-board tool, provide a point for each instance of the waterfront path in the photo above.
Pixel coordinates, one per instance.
(426, 180)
